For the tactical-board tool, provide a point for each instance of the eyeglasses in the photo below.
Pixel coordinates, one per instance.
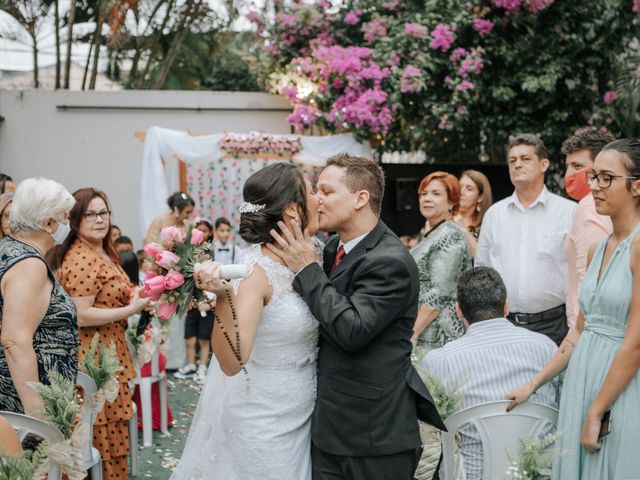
(604, 179)
(93, 216)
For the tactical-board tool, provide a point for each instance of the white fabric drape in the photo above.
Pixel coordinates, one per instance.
(163, 148)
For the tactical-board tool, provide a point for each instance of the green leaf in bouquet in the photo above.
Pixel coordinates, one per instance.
(131, 334)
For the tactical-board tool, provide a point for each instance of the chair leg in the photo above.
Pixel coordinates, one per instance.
(133, 442)
(164, 417)
(96, 471)
(147, 423)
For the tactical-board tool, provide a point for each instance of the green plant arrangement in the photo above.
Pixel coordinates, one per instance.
(24, 466)
(61, 410)
(102, 365)
(535, 458)
(60, 402)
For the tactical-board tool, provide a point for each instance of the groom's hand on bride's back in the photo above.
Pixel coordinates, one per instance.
(295, 248)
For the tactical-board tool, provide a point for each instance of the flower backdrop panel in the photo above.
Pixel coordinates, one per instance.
(218, 165)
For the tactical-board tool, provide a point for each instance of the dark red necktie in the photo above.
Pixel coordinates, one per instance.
(339, 256)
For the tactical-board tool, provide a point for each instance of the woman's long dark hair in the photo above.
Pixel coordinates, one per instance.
(276, 186)
(83, 197)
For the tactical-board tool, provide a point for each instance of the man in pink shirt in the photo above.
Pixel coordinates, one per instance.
(588, 227)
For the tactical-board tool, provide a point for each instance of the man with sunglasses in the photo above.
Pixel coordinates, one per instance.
(523, 238)
(588, 227)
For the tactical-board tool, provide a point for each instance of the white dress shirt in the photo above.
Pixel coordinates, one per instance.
(526, 246)
(224, 254)
(351, 244)
(493, 357)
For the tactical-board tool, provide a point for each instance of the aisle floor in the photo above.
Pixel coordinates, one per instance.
(159, 460)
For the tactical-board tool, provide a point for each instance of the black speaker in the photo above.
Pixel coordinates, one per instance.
(407, 194)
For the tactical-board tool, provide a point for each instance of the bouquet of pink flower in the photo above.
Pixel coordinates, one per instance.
(169, 280)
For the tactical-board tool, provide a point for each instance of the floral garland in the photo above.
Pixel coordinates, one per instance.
(259, 145)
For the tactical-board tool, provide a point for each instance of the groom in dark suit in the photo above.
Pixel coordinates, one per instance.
(365, 424)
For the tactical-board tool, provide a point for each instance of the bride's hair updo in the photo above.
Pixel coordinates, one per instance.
(276, 186)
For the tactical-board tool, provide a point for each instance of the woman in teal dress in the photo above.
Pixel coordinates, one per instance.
(603, 350)
(442, 255)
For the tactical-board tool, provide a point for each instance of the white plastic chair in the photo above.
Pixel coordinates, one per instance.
(133, 441)
(91, 460)
(25, 425)
(499, 431)
(145, 384)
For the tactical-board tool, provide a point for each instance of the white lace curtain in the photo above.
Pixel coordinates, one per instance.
(214, 181)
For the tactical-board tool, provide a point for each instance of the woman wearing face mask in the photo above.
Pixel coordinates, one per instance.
(588, 226)
(89, 269)
(38, 325)
(181, 205)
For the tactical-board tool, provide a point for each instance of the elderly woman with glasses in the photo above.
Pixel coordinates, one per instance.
(38, 329)
(89, 269)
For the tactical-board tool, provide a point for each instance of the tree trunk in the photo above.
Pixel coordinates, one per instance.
(57, 36)
(36, 82)
(86, 67)
(147, 67)
(181, 33)
(96, 53)
(140, 41)
(67, 63)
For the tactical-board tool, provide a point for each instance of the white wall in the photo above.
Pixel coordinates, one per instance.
(91, 143)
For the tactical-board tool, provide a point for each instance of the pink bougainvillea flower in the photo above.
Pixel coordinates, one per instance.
(173, 280)
(509, 5)
(351, 18)
(415, 30)
(442, 37)
(610, 97)
(376, 28)
(483, 26)
(465, 85)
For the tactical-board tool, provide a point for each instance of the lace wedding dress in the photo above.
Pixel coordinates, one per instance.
(260, 429)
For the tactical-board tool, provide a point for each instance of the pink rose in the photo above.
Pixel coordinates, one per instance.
(166, 259)
(171, 235)
(152, 249)
(154, 287)
(167, 310)
(173, 280)
(197, 237)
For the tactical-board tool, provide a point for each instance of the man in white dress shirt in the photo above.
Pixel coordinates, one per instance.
(523, 238)
(490, 358)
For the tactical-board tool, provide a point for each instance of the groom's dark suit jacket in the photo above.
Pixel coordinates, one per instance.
(369, 394)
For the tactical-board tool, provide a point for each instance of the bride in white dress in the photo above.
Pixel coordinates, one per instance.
(255, 425)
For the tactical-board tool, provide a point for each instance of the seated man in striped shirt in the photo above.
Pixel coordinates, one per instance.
(492, 357)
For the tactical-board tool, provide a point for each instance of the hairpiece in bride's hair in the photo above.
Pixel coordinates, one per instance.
(247, 207)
